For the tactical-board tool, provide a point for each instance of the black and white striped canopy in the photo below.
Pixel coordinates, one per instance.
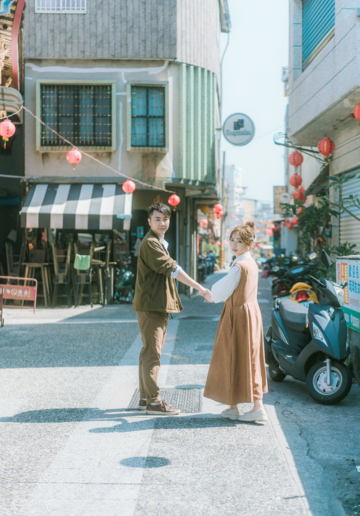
(77, 206)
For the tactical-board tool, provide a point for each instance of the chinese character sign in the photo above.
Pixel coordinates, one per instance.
(349, 270)
(19, 292)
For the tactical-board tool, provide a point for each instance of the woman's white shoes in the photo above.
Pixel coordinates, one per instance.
(230, 414)
(254, 416)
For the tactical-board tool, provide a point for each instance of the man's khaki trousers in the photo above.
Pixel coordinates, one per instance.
(153, 332)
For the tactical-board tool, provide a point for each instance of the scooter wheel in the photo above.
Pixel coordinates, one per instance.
(323, 393)
(275, 374)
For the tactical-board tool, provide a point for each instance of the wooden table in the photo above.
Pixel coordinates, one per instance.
(30, 269)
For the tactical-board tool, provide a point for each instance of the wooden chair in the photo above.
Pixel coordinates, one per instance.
(14, 268)
(62, 274)
(106, 269)
(83, 278)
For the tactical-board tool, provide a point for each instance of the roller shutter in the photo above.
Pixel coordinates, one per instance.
(350, 227)
(318, 22)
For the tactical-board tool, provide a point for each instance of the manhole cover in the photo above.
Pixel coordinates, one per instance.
(187, 400)
(204, 348)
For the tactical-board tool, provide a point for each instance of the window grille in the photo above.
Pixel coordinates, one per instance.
(60, 6)
(318, 22)
(147, 116)
(81, 114)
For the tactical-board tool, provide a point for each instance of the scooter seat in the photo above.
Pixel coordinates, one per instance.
(294, 315)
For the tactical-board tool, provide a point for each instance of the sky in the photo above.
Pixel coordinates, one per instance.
(257, 51)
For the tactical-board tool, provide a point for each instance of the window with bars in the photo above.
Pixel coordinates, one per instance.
(80, 113)
(60, 6)
(147, 116)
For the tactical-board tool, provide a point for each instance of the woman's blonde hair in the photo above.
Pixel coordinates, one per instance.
(247, 233)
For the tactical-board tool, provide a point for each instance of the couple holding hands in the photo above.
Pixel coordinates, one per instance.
(237, 372)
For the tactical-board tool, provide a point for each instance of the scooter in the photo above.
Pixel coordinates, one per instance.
(310, 344)
(283, 283)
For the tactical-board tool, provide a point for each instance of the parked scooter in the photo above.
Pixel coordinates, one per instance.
(125, 283)
(310, 344)
(282, 285)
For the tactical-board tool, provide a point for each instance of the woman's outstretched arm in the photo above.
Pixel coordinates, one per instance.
(222, 289)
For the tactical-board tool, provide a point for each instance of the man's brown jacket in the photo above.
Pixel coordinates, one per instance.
(155, 289)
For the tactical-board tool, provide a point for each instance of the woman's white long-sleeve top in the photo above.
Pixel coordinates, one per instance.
(223, 289)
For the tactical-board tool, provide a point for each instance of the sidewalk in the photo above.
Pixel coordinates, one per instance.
(70, 445)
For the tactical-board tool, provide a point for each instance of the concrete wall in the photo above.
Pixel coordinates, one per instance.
(151, 167)
(324, 94)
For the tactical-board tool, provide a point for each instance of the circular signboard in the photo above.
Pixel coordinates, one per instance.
(239, 129)
(284, 198)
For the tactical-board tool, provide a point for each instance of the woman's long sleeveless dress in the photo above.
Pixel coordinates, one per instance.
(237, 372)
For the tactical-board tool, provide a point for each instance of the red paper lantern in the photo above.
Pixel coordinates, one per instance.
(7, 130)
(217, 207)
(74, 156)
(203, 223)
(326, 147)
(295, 159)
(357, 112)
(174, 200)
(218, 243)
(219, 214)
(129, 186)
(295, 180)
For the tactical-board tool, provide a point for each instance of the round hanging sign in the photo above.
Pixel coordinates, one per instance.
(239, 129)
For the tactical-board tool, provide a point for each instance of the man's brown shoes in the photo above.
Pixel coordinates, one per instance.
(162, 409)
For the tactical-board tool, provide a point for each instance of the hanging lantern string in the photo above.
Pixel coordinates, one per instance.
(95, 159)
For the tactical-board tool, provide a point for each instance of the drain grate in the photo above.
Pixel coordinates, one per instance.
(187, 400)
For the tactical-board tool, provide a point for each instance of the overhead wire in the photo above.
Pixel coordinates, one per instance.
(147, 185)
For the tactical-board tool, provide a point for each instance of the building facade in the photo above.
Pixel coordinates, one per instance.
(135, 84)
(324, 87)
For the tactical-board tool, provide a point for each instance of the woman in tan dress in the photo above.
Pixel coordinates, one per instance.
(237, 372)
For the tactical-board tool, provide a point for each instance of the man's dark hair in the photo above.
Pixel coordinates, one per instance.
(161, 207)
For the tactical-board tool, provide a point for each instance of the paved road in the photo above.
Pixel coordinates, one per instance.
(70, 446)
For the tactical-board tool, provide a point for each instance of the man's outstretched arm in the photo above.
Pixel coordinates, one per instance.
(184, 278)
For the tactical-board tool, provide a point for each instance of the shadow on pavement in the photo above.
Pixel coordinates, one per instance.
(145, 462)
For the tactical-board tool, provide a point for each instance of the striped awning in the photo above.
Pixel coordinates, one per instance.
(77, 206)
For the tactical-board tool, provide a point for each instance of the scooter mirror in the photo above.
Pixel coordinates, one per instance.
(324, 257)
(312, 256)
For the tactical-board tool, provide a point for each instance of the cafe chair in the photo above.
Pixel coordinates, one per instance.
(61, 274)
(14, 268)
(83, 276)
(108, 264)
